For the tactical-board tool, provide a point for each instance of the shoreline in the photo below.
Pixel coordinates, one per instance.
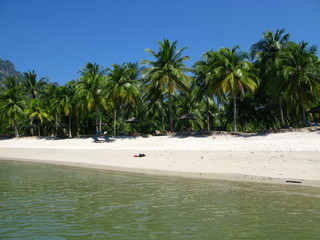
(236, 166)
(274, 158)
(195, 175)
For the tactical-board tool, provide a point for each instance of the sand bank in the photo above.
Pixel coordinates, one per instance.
(274, 158)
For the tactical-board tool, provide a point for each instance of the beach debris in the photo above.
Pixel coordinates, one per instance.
(139, 155)
(291, 181)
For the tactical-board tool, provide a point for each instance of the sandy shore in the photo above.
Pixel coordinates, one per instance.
(273, 158)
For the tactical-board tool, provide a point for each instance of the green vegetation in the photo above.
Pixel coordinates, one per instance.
(273, 86)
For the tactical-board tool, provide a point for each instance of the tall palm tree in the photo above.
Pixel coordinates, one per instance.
(51, 99)
(206, 71)
(300, 67)
(154, 98)
(32, 85)
(167, 71)
(12, 104)
(65, 104)
(122, 88)
(236, 75)
(267, 52)
(90, 87)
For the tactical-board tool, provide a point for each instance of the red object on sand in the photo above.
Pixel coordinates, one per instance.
(139, 155)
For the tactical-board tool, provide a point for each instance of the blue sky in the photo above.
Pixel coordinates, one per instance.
(56, 38)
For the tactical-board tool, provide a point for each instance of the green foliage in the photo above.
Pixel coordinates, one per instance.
(276, 88)
(167, 72)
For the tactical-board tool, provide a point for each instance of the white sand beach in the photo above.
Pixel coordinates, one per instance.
(270, 158)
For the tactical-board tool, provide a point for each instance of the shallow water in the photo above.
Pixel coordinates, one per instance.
(40, 201)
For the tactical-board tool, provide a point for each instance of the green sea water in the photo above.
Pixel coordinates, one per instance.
(40, 201)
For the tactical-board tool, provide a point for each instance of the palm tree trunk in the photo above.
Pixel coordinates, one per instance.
(281, 110)
(70, 133)
(78, 128)
(98, 119)
(171, 113)
(114, 121)
(235, 113)
(163, 122)
(56, 123)
(304, 117)
(16, 130)
(208, 117)
(281, 114)
(122, 118)
(31, 129)
(39, 134)
(219, 113)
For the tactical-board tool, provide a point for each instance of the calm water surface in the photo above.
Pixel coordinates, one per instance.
(39, 201)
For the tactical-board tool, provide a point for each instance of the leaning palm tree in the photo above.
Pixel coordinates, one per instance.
(300, 67)
(236, 75)
(167, 71)
(90, 87)
(122, 88)
(12, 106)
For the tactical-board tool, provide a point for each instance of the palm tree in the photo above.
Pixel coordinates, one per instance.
(154, 98)
(51, 98)
(65, 103)
(206, 75)
(32, 85)
(267, 51)
(36, 110)
(300, 67)
(167, 71)
(188, 102)
(9, 82)
(122, 88)
(12, 103)
(236, 75)
(90, 87)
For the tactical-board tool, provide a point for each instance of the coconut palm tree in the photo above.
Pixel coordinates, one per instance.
(122, 88)
(37, 111)
(167, 71)
(188, 102)
(206, 71)
(266, 52)
(90, 87)
(65, 103)
(51, 99)
(236, 75)
(300, 67)
(9, 82)
(12, 103)
(32, 85)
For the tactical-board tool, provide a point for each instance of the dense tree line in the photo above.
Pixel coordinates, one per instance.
(272, 86)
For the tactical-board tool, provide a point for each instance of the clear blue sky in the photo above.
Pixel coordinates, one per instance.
(58, 37)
